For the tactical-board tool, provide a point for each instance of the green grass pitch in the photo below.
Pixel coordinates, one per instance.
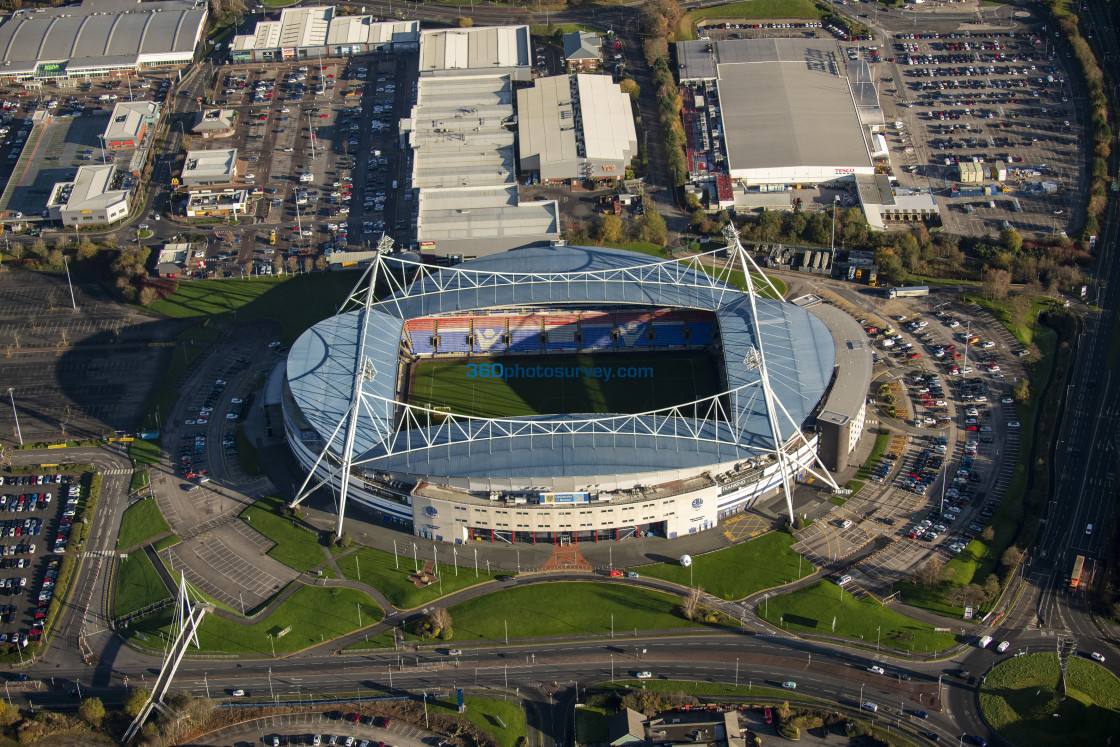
(650, 381)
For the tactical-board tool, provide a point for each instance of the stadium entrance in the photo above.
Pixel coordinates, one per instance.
(484, 534)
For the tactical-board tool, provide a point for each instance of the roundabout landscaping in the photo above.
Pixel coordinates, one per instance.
(1019, 699)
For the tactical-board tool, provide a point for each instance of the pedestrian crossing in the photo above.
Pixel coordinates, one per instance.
(118, 471)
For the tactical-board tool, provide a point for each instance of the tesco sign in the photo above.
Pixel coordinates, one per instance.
(845, 171)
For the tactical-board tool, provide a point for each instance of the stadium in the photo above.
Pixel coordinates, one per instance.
(558, 395)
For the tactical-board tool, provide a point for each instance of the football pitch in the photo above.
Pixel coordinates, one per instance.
(596, 383)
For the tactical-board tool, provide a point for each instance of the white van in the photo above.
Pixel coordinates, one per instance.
(1003, 646)
(869, 706)
(983, 642)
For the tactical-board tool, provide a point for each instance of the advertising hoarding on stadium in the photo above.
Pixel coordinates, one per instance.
(565, 497)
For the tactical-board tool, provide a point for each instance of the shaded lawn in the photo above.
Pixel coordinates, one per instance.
(140, 522)
(296, 546)
(378, 569)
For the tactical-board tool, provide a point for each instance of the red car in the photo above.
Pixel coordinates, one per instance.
(40, 614)
(768, 716)
(616, 574)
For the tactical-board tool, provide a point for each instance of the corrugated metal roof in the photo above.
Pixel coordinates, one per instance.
(608, 119)
(786, 102)
(482, 48)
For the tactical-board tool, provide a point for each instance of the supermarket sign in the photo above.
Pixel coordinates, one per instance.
(50, 69)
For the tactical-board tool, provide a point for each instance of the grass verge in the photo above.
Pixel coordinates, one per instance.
(140, 522)
(769, 557)
(247, 454)
(143, 453)
(140, 480)
(488, 714)
(748, 9)
(565, 608)
(827, 609)
(138, 585)
(1019, 700)
(296, 546)
(296, 302)
(390, 576)
(707, 690)
(169, 541)
(314, 614)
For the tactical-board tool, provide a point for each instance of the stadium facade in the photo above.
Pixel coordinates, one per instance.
(571, 477)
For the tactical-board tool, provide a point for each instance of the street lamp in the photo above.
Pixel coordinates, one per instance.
(835, 205)
(66, 264)
(15, 416)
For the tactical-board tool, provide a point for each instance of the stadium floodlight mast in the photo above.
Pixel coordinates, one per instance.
(756, 359)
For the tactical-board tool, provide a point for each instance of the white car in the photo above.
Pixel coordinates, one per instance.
(1007, 400)
(1097, 657)
(644, 675)
(954, 324)
(238, 693)
(1013, 424)
(988, 344)
(1003, 646)
(876, 670)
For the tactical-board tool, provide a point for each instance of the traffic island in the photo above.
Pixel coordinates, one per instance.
(1021, 698)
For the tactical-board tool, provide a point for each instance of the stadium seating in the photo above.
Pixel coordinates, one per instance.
(488, 334)
(524, 334)
(453, 334)
(597, 337)
(632, 329)
(699, 333)
(560, 331)
(418, 336)
(668, 334)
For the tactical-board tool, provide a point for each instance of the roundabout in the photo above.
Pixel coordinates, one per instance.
(1020, 699)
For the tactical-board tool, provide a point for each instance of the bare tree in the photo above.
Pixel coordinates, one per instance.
(690, 607)
(996, 284)
(439, 618)
(1012, 556)
(929, 574)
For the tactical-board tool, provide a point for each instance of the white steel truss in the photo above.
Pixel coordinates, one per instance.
(718, 419)
(188, 617)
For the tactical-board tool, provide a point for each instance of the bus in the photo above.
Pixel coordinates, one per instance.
(1075, 577)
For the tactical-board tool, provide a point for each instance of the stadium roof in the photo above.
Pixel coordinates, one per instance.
(799, 355)
(483, 48)
(99, 34)
(128, 119)
(853, 357)
(318, 26)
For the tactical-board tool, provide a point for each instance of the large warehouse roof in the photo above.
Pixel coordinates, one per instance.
(551, 120)
(786, 103)
(483, 48)
(318, 26)
(800, 357)
(99, 34)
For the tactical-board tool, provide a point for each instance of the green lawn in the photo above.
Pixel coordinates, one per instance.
(295, 546)
(296, 302)
(169, 541)
(649, 381)
(591, 726)
(710, 690)
(248, 455)
(487, 714)
(137, 585)
(564, 608)
(139, 480)
(769, 558)
(381, 640)
(141, 521)
(143, 453)
(315, 614)
(378, 569)
(882, 441)
(815, 607)
(749, 9)
(1018, 700)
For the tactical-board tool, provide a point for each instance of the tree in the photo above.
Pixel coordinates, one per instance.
(293, 264)
(1011, 240)
(690, 607)
(996, 284)
(991, 586)
(630, 87)
(653, 228)
(134, 701)
(1012, 556)
(439, 618)
(320, 263)
(148, 295)
(465, 22)
(308, 264)
(39, 248)
(988, 534)
(610, 229)
(1021, 391)
(9, 714)
(86, 249)
(929, 574)
(970, 596)
(54, 257)
(92, 711)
